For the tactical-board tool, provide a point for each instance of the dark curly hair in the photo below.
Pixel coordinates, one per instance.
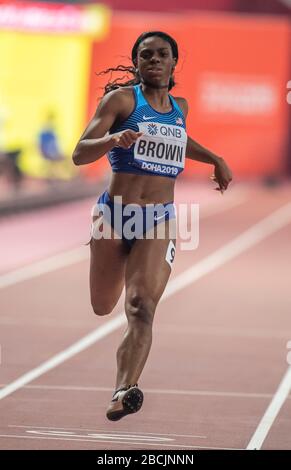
(118, 82)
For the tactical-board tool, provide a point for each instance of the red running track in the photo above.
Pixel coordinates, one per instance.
(220, 334)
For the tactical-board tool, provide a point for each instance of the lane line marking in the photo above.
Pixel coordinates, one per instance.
(77, 255)
(271, 412)
(44, 266)
(80, 345)
(190, 436)
(202, 393)
(118, 442)
(256, 233)
(249, 238)
(99, 436)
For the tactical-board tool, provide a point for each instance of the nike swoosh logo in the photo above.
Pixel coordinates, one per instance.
(146, 118)
(161, 217)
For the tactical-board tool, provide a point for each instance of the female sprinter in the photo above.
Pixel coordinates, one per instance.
(142, 129)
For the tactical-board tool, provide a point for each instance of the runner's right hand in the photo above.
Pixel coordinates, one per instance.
(125, 139)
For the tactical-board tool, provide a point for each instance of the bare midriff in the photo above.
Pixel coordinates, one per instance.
(142, 189)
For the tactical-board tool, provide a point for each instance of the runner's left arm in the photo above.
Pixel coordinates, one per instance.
(194, 151)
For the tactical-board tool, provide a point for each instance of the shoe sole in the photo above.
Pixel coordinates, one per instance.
(131, 401)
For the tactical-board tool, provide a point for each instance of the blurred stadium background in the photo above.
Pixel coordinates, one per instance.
(234, 69)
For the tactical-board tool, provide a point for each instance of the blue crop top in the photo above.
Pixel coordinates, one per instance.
(162, 147)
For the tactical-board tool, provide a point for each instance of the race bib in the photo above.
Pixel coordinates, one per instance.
(161, 148)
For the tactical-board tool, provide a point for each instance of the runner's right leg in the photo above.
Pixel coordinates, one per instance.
(107, 271)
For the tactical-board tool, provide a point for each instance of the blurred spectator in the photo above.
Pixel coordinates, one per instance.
(10, 151)
(48, 140)
(48, 143)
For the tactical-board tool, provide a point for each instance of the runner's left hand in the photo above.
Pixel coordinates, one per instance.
(222, 175)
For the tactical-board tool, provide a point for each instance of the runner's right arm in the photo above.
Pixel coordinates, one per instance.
(95, 142)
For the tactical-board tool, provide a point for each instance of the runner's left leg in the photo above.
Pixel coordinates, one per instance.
(147, 272)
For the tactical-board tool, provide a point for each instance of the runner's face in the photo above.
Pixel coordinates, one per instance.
(155, 62)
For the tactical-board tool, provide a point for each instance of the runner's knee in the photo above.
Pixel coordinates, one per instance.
(140, 309)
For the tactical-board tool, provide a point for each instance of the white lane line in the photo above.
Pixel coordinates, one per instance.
(249, 238)
(199, 393)
(246, 240)
(45, 266)
(117, 442)
(103, 431)
(101, 436)
(271, 413)
(84, 343)
(77, 255)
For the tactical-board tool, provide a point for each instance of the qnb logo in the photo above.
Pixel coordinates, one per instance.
(288, 346)
(168, 131)
(153, 129)
(289, 93)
